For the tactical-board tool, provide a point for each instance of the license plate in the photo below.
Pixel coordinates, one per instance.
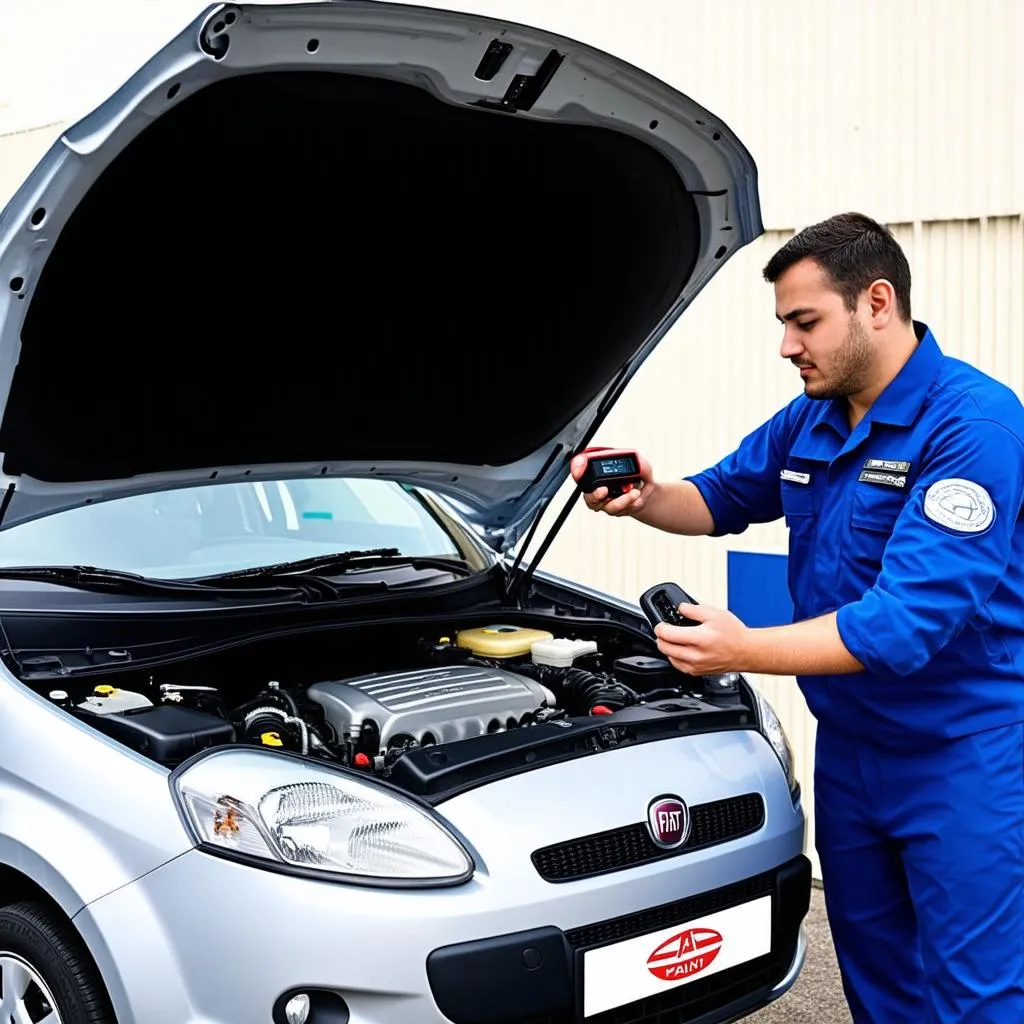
(648, 964)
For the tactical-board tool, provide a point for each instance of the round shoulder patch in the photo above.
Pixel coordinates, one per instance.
(961, 505)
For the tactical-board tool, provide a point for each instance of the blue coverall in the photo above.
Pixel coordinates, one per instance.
(910, 527)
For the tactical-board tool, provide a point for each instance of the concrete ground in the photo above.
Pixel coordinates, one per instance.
(817, 996)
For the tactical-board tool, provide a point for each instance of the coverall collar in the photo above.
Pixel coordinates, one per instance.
(901, 401)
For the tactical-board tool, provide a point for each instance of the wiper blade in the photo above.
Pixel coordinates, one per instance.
(341, 562)
(89, 577)
(338, 560)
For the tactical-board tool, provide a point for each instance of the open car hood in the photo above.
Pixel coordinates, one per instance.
(353, 238)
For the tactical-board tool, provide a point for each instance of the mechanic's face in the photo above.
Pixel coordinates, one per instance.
(829, 345)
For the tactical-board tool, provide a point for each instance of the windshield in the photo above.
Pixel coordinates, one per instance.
(199, 531)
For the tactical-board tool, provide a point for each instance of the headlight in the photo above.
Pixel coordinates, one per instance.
(298, 816)
(772, 730)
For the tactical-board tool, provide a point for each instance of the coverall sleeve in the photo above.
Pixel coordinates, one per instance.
(744, 487)
(950, 546)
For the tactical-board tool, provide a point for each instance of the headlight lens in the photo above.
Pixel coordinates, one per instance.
(301, 816)
(772, 730)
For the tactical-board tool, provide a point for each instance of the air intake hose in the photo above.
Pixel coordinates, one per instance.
(578, 690)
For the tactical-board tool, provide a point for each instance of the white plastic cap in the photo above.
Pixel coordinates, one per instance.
(561, 652)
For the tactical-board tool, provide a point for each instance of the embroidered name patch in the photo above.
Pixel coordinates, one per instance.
(888, 465)
(794, 477)
(870, 476)
(962, 505)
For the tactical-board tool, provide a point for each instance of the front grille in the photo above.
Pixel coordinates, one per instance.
(712, 823)
(668, 914)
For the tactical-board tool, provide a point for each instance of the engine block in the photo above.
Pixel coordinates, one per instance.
(435, 705)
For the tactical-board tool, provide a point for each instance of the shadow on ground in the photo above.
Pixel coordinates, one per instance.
(817, 996)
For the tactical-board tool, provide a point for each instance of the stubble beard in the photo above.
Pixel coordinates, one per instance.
(851, 367)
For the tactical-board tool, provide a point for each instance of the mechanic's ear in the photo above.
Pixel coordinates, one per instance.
(882, 300)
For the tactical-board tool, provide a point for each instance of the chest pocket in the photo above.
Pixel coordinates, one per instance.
(797, 502)
(873, 516)
(798, 510)
(876, 508)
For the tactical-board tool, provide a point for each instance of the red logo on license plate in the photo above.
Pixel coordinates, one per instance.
(687, 953)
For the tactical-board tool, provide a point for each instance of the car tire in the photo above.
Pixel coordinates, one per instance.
(44, 954)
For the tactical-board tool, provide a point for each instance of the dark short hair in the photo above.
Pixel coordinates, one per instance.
(853, 250)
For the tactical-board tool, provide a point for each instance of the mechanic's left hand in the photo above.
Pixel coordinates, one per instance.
(717, 645)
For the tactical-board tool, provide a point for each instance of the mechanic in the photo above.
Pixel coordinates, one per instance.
(900, 474)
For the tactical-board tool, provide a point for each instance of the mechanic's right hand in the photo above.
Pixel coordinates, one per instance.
(628, 504)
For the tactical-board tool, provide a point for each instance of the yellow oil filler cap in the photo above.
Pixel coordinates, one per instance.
(271, 739)
(105, 690)
(500, 641)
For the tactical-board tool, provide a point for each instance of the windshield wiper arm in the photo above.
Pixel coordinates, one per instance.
(341, 562)
(89, 577)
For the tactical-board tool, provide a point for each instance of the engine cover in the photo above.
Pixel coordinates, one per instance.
(439, 705)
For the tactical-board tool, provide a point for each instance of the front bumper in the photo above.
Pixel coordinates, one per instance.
(539, 973)
(240, 957)
(206, 940)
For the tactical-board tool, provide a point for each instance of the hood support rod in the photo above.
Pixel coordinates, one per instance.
(513, 590)
(5, 504)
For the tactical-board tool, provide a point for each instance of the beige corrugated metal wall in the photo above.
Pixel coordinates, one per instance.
(906, 109)
(909, 110)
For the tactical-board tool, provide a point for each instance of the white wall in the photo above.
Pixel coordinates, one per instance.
(909, 110)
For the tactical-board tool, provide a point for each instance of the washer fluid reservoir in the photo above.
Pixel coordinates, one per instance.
(500, 641)
(109, 700)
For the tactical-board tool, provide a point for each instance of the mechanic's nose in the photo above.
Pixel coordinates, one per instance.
(791, 346)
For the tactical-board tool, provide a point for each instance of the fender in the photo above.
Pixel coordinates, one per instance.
(78, 835)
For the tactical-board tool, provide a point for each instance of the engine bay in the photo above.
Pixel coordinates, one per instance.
(445, 709)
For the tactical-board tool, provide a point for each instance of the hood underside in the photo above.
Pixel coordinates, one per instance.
(265, 258)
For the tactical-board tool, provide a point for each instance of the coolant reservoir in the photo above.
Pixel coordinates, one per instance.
(561, 652)
(109, 700)
(500, 641)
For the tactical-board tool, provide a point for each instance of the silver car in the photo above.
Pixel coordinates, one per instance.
(298, 333)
